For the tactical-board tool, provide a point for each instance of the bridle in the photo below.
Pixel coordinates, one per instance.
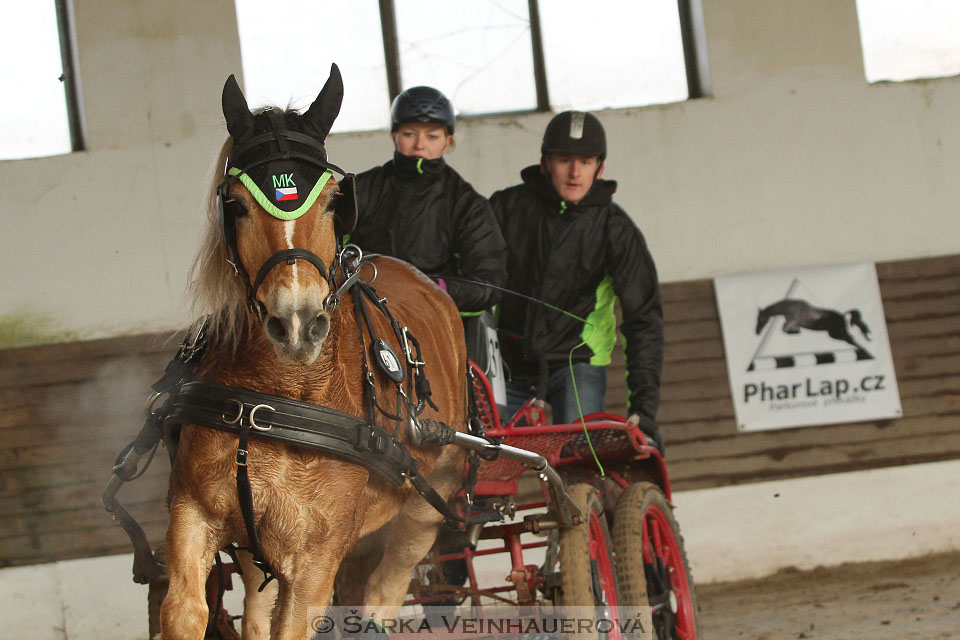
(263, 149)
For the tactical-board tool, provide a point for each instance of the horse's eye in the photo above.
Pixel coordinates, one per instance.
(234, 207)
(332, 204)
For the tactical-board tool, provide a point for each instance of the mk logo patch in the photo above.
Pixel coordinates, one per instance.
(283, 180)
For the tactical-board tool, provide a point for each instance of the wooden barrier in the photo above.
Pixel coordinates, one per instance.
(66, 410)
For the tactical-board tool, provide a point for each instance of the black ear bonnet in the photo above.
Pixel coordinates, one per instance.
(281, 159)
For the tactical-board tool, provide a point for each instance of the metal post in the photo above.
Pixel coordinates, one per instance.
(69, 78)
(539, 65)
(696, 68)
(391, 47)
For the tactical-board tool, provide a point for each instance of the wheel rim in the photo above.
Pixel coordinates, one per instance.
(604, 574)
(668, 586)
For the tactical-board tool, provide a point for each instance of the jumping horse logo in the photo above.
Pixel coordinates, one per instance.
(800, 314)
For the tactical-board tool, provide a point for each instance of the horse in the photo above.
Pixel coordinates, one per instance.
(282, 336)
(799, 314)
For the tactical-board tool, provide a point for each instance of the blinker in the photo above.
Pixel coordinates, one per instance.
(388, 360)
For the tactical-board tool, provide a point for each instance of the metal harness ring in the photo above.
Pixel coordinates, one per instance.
(239, 413)
(253, 421)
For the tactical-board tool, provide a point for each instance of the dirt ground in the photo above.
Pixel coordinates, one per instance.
(918, 598)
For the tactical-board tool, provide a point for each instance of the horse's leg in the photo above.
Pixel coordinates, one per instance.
(257, 605)
(842, 334)
(190, 545)
(305, 590)
(412, 535)
(356, 568)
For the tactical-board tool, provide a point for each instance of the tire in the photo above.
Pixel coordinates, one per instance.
(588, 576)
(652, 567)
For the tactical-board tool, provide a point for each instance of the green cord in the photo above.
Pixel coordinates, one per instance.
(573, 378)
(576, 394)
(420, 166)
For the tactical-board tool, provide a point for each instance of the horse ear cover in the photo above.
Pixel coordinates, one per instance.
(345, 211)
(239, 122)
(325, 109)
(235, 109)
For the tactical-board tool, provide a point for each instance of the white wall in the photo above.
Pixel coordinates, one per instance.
(796, 160)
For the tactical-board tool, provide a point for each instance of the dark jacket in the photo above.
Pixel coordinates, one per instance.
(432, 218)
(578, 258)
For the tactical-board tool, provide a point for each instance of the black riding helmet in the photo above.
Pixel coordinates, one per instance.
(422, 104)
(575, 132)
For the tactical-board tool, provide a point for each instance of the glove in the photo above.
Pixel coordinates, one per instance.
(650, 430)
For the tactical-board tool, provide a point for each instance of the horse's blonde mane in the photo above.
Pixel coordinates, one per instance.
(215, 289)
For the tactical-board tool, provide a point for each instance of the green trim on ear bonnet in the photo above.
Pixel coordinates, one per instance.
(267, 203)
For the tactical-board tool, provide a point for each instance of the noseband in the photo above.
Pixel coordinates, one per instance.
(274, 145)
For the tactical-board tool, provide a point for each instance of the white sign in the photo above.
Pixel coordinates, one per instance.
(806, 347)
(495, 367)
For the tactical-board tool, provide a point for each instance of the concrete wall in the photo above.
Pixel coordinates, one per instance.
(795, 160)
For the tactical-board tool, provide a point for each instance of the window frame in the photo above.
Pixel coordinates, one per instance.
(691, 30)
(70, 78)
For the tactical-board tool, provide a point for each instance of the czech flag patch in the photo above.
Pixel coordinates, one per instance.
(286, 193)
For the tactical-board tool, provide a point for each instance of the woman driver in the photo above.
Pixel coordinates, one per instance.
(417, 208)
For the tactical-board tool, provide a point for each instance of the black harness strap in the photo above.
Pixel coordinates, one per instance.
(245, 498)
(289, 256)
(293, 422)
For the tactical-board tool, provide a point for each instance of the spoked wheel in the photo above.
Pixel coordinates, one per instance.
(652, 566)
(588, 577)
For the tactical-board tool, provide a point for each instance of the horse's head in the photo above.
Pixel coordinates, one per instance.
(280, 213)
(762, 317)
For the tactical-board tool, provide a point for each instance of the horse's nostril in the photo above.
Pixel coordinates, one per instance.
(276, 329)
(319, 328)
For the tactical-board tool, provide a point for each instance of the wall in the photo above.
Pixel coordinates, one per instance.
(100, 242)
(794, 161)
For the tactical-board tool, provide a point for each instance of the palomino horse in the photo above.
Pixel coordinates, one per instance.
(280, 336)
(799, 314)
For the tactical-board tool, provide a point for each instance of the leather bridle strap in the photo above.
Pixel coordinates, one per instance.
(245, 498)
(290, 256)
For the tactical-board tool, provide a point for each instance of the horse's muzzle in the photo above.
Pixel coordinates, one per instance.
(298, 336)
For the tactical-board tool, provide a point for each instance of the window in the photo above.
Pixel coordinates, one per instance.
(485, 55)
(909, 40)
(477, 53)
(621, 55)
(42, 119)
(287, 47)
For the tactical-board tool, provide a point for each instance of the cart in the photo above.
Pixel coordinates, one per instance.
(626, 548)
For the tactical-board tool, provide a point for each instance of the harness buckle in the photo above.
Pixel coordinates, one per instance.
(242, 457)
(413, 362)
(363, 437)
(195, 339)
